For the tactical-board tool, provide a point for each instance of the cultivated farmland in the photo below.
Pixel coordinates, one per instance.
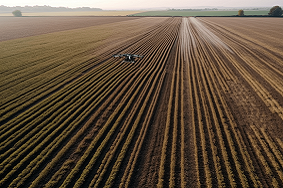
(202, 108)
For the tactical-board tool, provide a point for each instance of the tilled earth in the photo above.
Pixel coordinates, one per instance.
(202, 108)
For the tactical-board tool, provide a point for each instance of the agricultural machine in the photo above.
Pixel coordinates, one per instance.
(128, 57)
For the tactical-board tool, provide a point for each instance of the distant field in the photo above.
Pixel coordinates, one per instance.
(15, 27)
(92, 13)
(197, 13)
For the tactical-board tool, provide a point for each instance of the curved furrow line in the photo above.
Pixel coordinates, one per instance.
(267, 74)
(247, 163)
(35, 111)
(188, 44)
(64, 99)
(131, 33)
(138, 145)
(208, 134)
(237, 144)
(182, 130)
(270, 157)
(260, 62)
(202, 108)
(204, 173)
(166, 135)
(119, 138)
(121, 155)
(256, 173)
(260, 90)
(174, 174)
(177, 166)
(177, 171)
(102, 57)
(116, 112)
(125, 181)
(198, 142)
(104, 129)
(210, 122)
(114, 102)
(268, 169)
(22, 133)
(226, 143)
(261, 66)
(31, 97)
(34, 164)
(115, 169)
(145, 90)
(84, 130)
(127, 169)
(239, 43)
(273, 147)
(165, 153)
(43, 143)
(224, 31)
(108, 134)
(232, 146)
(267, 156)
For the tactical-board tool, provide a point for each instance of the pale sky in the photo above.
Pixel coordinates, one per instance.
(141, 4)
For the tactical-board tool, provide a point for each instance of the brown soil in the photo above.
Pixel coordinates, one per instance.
(203, 108)
(13, 28)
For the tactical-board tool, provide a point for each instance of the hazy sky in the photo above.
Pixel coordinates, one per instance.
(135, 4)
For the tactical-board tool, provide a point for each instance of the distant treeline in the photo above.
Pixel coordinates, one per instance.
(173, 9)
(46, 9)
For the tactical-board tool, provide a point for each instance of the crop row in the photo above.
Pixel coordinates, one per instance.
(235, 153)
(53, 127)
(45, 69)
(89, 123)
(148, 75)
(36, 132)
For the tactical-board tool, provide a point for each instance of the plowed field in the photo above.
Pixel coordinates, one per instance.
(202, 108)
(19, 27)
